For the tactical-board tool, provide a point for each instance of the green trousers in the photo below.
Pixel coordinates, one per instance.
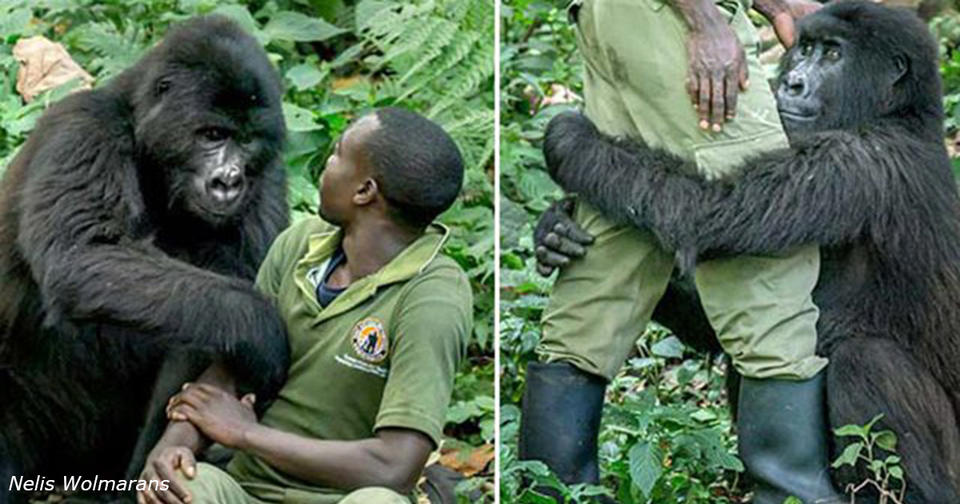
(635, 69)
(212, 485)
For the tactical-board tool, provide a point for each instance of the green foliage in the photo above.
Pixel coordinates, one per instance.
(666, 432)
(947, 30)
(339, 60)
(867, 450)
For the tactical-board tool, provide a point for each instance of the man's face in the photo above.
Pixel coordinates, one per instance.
(346, 172)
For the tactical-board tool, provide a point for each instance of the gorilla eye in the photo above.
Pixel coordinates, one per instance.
(806, 49)
(163, 85)
(833, 54)
(214, 134)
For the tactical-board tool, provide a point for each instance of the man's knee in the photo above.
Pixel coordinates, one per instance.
(770, 327)
(374, 495)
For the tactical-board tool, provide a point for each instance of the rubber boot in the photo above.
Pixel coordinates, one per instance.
(783, 440)
(561, 420)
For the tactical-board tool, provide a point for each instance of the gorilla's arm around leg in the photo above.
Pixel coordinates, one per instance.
(830, 188)
(79, 217)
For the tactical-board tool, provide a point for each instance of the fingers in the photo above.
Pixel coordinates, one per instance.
(147, 497)
(703, 101)
(177, 493)
(183, 412)
(572, 231)
(544, 270)
(195, 395)
(717, 101)
(732, 92)
(550, 258)
(564, 246)
(693, 89)
(187, 463)
(783, 26)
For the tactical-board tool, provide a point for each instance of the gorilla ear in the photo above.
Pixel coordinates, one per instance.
(903, 66)
(162, 86)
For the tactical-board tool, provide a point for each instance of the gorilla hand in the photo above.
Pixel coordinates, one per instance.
(558, 238)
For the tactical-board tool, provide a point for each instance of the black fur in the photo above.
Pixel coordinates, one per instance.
(870, 181)
(111, 264)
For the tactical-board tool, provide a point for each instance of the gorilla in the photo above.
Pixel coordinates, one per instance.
(132, 222)
(867, 178)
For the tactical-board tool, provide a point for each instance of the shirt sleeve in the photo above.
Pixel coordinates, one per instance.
(433, 327)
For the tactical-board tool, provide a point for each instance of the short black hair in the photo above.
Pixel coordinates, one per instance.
(416, 164)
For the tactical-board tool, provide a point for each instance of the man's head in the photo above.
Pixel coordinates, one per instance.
(391, 162)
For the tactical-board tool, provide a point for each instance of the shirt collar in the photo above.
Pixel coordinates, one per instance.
(411, 261)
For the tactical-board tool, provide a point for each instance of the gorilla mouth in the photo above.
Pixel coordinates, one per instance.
(797, 115)
(222, 212)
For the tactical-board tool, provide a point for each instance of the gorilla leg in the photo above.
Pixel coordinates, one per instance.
(869, 376)
(178, 368)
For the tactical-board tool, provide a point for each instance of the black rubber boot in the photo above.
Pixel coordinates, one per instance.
(561, 419)
(783, 440)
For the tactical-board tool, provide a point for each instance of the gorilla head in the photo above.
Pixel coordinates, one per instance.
(855, 62)
(206, 106)
(132, 222)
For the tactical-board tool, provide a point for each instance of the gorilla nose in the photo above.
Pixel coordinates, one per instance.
(225, 184)
(795, 84)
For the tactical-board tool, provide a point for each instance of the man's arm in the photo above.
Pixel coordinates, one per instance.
(177, 448)
(394, 458)
(831, 188)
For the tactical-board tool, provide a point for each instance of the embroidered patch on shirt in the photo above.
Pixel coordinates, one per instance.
(370, 340)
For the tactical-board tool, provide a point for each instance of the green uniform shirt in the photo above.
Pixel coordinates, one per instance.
(382, 354)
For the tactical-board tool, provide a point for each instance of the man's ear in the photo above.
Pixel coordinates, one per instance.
(366, 193)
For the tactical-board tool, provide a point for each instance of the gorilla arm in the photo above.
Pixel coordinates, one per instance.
(80, 209)
(831, 188)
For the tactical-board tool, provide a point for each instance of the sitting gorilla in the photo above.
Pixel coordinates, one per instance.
(867, 178)
(131, 225)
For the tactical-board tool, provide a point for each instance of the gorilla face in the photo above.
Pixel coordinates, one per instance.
(840, 75)
(813, 68)
(209, 131)
(225, 155)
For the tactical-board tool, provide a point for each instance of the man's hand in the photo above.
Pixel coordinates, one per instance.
(782, 14)
(217, 413)
(718, 65)
(718, 72)
(163, 464)
(557, 238)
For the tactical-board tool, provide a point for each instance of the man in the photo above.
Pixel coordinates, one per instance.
(760, 307)
(378, 320)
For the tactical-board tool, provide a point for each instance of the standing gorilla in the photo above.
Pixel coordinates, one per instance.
(868, 179)
(131, 224)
